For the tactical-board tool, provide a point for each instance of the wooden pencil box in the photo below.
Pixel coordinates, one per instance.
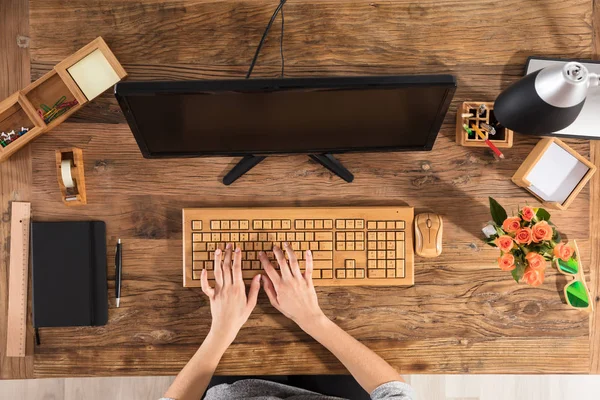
(554, 173)
(76, 80)
(503, 137)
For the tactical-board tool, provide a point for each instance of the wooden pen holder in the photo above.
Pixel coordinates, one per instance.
(71, 179)
(503, 137)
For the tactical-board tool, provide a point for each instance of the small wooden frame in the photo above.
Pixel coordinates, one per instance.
(503, 137)
(21, 108)
(520, 177)
(71, 196)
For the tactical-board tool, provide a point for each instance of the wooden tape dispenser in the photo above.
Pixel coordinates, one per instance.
(69, 167)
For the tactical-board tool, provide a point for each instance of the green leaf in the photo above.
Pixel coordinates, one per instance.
(498, 212)
(542, 214)
(519, 270)
(556, 238)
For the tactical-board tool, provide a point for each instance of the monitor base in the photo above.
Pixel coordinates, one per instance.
(249, 162)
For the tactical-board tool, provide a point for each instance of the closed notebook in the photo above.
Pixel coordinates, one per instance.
(69, 273)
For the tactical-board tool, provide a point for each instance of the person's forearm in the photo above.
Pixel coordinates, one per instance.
(369, 370)
(194, 378)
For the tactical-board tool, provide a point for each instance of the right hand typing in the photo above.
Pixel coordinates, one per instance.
(291, 291)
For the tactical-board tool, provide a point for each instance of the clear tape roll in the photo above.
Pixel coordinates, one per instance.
(65, 171)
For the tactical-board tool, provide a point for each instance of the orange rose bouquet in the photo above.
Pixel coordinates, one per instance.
(526, 242)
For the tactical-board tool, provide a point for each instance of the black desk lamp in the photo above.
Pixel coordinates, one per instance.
(545, 101)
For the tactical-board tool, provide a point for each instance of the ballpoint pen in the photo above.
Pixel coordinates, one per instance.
(118, 267)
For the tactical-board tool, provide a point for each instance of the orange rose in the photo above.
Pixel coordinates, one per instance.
(511, 224)
(542, 231)
(523, 236)
(528, 213)
(534, 277)
(536, 260)
(507, 262)
(563, 251)
(505, 243)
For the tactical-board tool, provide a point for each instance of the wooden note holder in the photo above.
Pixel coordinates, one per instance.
(503, 137)
(74, 196)
(520, 176)
(20, 109)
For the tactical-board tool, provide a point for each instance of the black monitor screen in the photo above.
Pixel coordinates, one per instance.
(265, 117)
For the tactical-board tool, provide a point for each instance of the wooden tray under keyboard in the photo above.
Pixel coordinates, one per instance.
(351, 246)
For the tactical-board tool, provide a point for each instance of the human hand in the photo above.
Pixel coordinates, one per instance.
(291, 292)
(229, 306)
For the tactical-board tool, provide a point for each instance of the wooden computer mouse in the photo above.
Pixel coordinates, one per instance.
(428, 235)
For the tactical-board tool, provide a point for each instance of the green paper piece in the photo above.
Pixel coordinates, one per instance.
(498, 212)
(569, 267)
(577, 295)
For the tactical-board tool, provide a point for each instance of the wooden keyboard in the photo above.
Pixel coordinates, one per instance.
(351, 246)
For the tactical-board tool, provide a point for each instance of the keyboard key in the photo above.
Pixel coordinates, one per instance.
(322, 255)
(360, 273)
(215, 237)
(371, 255)
(360, 246)
(328, 224)
(322, 264)
(277, 224)
(325, 246)
(318, 224)
(319, 236)
(380, 264)
(316, 274)
(381, 225)
(350, 274)
(391, 273)
(391, 264)
(326, 274)
(236, 225)
(371, 225)
(390, 236)
(359, 224)
(256, 265)
(244, 224)
(197, 225)
(199, 256)
(300, 236)
(197, 264)
(399, 235)
(381, 254)
(390, 245)
(224, 225)
(399, 224)
(340, 236)
(340, 246)
(359, 236)
(243, 237)
(251, 255)
(376, 273)
(381, 245)
(372, 245)
(211, 246)
(372, 264)
(246, 264)
(199, 246)
(196, 237)
(215, 225)
(206, 237)
(196, 275)
(350, 236)
(340, 274)
(349, 224)
(400, 268)
(225, 237)
(309, 224)
(349, 246)
(399, 249)
(257, 224)
(390, 225)
(304, 246)
(295, 246)
(299, 224)
(209, 265)
(309, 236)
(390, 255)
(350, 264)
(267, 224)
(340, 224)
(286, 224)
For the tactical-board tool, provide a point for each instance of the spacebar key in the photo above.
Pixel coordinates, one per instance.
(322, 264)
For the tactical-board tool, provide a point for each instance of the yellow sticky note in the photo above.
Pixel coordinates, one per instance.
(93, 74)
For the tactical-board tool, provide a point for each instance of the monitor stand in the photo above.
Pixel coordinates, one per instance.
(327, 160)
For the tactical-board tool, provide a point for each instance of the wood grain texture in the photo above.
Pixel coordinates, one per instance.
(15, 174)
(462, 315)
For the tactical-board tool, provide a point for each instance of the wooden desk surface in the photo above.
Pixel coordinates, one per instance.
(463, 315)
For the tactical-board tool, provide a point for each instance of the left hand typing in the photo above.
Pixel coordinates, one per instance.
(229, 306)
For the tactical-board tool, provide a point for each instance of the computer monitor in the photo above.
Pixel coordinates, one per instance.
(259, 117)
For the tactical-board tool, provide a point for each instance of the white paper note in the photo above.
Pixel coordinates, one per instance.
(93, 74)
(556, 174)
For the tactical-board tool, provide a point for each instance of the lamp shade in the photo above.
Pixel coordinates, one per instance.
(545, 101)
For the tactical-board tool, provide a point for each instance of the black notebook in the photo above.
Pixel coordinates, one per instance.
(69, 273)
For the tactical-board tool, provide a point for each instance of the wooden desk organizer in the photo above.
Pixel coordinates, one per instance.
(22, 108)
(72, 194)
(522, 174)
(503, 137)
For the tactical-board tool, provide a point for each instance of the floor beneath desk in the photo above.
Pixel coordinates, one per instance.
(430, 387)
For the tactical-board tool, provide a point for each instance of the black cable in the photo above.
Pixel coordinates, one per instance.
(281, 43)
(264, 36)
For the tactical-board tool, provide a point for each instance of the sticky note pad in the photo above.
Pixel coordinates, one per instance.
(93, 74)
(556, 174)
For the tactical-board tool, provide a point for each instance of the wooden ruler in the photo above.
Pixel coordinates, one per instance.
(17, 279)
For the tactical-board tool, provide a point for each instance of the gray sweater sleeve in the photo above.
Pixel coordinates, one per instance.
(393, 390)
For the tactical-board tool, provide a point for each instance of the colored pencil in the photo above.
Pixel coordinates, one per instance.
(487, 141)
